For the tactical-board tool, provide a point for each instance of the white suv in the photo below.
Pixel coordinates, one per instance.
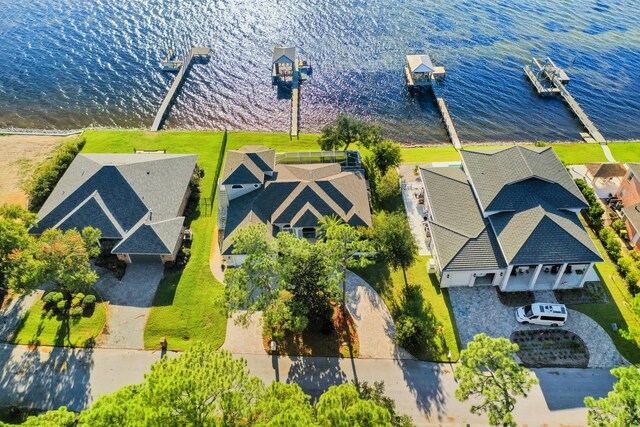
(542, 313)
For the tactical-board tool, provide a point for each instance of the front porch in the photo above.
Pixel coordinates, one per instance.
(545, 277)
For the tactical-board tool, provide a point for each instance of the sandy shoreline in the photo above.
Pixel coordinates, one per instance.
(19, 155)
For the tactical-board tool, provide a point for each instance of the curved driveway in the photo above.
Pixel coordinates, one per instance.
(479, 310)
(373, 320)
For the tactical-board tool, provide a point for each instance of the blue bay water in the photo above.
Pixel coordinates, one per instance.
(70, 64)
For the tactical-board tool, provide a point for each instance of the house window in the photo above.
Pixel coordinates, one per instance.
(236, 186)
(309, 232)
(624, 190)
(630, 177)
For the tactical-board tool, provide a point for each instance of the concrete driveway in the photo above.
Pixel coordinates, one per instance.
(129, 302)
(479, 309)
(373, 320)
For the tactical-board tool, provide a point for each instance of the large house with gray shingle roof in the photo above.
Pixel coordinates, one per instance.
(285, 197)
(507, 218)
(136, 200)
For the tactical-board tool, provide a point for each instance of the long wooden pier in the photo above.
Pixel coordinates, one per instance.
(184, 68)
(446, 117)
(295, 101)
(556, 77)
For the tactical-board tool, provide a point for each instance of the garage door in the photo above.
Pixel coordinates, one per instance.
(144, 258)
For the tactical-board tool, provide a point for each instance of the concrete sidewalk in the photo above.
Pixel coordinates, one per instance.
(47, 378)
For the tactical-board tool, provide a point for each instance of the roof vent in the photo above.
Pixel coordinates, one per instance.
(150, 215)
(148, 173)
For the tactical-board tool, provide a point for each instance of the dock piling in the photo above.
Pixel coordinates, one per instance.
(548, 79)
(177, 82)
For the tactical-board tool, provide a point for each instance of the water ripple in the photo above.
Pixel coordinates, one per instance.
(95, 64)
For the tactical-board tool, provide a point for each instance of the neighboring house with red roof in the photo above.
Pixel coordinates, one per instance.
(135, 200)
(254, 189)
(628, 201)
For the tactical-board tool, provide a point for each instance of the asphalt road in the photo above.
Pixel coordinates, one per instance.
(51, 377)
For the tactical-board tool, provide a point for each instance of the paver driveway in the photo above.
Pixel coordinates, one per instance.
(479, 310)
(373, 320)
(129, 302)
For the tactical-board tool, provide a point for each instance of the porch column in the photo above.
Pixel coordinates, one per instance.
(586, 271)
(560, 274)
(536, 273)
(503, 285)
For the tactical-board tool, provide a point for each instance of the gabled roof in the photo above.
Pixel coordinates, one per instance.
(635, 168)
(248, 165)
(283, 54)
(606, 170)
(152, 238)
(538, 233)
(632, 214)
(461, 235)
(493, 171)
(420, 63)
(301, 195)
(118, 192)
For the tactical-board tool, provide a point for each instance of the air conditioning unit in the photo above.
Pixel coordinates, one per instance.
(431, 266)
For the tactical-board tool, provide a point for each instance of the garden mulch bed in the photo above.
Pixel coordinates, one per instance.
(341, 342)
(592, 293)
(551, 348)
(516, 299)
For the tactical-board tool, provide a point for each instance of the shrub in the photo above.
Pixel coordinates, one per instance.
(77, 299)
(410, 333)
(388, 190)
(46, 176)
(61, 306)
(632, 278)
(540, 144)
(57, 297)
(89, 300)
(605, 234)
(625, 264)
(635, 255)
(613, 247)
(48, 298)
(618, 225)
(75, 312)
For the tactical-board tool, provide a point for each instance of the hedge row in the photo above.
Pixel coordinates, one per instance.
(47, 175)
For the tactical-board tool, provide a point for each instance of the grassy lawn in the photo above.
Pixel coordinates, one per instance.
(573, 154)
(617, 310)
(39, 327)
(187, 305)
(423, 298)
(625, 151)
(279, 141)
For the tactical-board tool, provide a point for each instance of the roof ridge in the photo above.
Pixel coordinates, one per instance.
(572, 236)
(457, 232)
(531, 174)
(432, 170)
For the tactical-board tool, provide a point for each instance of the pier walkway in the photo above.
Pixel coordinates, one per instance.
(548, 79)
(184, 68)
(446, 117)
(295, 100)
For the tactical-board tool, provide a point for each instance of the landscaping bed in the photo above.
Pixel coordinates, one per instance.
(591, 293)
(557, 348)
(341, 341)
(516, 299)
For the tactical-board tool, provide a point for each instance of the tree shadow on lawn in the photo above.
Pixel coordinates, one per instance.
(166, 292)
(45, 378)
